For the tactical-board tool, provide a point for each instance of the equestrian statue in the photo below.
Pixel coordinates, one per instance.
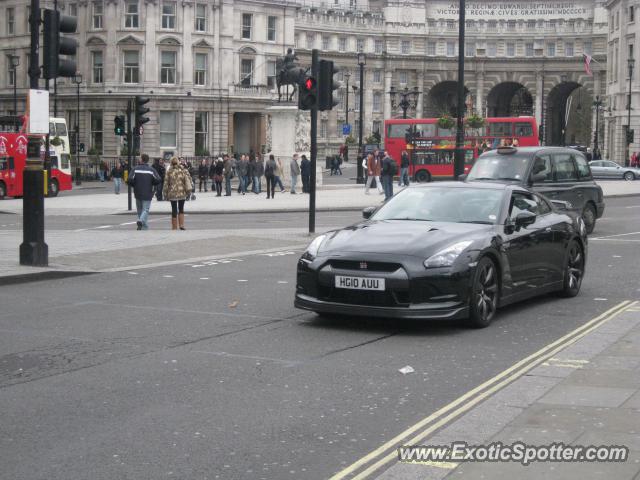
(289, 73)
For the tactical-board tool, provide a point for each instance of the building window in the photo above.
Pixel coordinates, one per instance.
(511, 49)
(169, 15)
(247, 21)
(528, 49)
(377, 76)
(201, 133)
(431, 49)
(342, 44)
(11, 21)
(271, 28)
(28, 12)
(470, 49)
(246, 72)
(98, 11)
(492, 49)
(451, 25)
(131, 15)
(511, 25)
(356, 128)
(568, 49)
(402, 77)
(325, 43)
(339, 124)
(341, 97)
(131, 66)
(324, 127)
(378, 46)
(73, 9)
(531, 24)
(376, 126)
(200, 77)
(377, 102)
(405, 47)
(551, 49)
(11, 77)
(168, 68)
(310, 40)
(356, 102)
(96, 130)
(587, 47)
(492, 25)
(271, 74)
(359, 45)
(632, 13)
(168, 129)
(451, 49)
(97, 63)
(201, 17)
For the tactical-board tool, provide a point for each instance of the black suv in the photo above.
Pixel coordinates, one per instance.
(558, 173)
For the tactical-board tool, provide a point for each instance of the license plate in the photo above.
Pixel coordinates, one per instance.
(359, 283)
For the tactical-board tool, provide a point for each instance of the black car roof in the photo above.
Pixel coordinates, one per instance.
(479, 185)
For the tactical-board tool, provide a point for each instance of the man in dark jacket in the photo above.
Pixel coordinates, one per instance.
(388, 171)
(305, 173)
(116, 174)
(203, 174)
(405, 161)
(158, 166)
(143, 178)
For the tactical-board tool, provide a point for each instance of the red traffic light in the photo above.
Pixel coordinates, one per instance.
(308, 84)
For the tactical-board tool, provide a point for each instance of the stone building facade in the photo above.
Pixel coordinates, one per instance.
(209, 65)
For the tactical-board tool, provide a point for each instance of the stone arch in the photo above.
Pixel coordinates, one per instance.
(566, 102)
(443, 98)
(509, 99)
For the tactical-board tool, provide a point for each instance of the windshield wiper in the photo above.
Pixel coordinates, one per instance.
(478, 222)
(408, 218)
(509, 178)
(482, 178)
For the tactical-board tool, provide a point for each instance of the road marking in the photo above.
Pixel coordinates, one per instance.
(278, 254)
(204, 278)
(601, 299)
(614, 240)
(243, 280)
(565, 363)
(167, 276)
(289, 363)
(473, 397)
(429, 463)
(617, 235)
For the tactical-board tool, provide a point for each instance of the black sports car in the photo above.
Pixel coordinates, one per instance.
(445, 250)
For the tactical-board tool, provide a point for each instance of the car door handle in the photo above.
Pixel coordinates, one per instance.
(580, 193)
(548, 229)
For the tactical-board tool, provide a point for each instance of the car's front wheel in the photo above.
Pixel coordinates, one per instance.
(589, 217)
(573, 270)
(484, 294)
(629, 176)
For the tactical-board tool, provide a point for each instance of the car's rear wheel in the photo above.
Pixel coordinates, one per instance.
(573, 270)
(423, 176)
(629, 176)
(484, 294)
(589, 217)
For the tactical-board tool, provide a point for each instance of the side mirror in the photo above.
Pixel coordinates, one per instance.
(462, 178)
(525, 219)
(367, 212)
(537, 177)
(562, 205)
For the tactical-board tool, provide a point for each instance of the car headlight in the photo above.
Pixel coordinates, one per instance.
(446, 257)
(312, 250)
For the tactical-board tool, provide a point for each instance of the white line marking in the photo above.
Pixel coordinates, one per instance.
(132, 273)
(243, 280)
(282, 281)
(204, 278)
(601, 299)
(618, 235)
(167, 276)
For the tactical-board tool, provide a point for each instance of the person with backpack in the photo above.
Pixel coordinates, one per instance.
(270, 175)
(218, 172)
(389, 170)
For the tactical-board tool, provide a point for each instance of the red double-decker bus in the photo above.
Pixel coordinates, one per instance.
(434, 148)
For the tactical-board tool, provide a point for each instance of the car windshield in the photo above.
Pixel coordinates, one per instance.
(441, 204)
(499, 167)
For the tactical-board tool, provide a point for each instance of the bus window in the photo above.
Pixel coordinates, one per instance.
(434, 157)
(426, 129)
(396, 130)
(61, 129)
(6, 163)
(52, 129)
(65, 161)
(447, 132)
(53, 161)
(468, 157)
(524, 129)
(500, 129)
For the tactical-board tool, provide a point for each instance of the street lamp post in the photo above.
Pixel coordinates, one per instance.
(362, 60)
(409, 99)
(347, 76)
(458, 166)
(597, 104)
(563, 80)
(631, 63)
(14, 60)
(77, 79)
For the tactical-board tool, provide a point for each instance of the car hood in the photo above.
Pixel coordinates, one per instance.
(404, 237)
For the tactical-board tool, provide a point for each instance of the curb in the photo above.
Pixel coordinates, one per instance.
(41, 276)
(231, 212)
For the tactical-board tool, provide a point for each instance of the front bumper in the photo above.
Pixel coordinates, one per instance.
(411, 290)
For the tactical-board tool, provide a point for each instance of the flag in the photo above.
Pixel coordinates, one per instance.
(587, 64)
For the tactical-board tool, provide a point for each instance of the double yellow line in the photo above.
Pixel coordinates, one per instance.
(386, 453)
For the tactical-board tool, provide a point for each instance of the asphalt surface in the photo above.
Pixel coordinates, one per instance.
(197, 371)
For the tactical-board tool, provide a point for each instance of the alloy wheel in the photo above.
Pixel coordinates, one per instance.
(485, 294)
(575, 268)
(629, 176)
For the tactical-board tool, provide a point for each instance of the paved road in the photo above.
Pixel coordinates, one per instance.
(207, 371)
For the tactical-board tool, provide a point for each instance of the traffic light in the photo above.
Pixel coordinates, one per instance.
(308, 93)
(55, 45)
(140, 111)
(630, 135)
(327, 85)
(119, 125)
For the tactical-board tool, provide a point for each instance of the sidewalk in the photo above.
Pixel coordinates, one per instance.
(586, 394)
(328, 198)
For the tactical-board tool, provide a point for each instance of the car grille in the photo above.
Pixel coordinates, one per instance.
(388, 298)
(371, 266)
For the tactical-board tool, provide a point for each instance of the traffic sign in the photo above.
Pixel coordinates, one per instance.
(346, 129)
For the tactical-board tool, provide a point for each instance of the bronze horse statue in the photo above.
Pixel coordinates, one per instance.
(290, 76)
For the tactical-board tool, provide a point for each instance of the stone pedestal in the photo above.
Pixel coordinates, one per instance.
(289, 132)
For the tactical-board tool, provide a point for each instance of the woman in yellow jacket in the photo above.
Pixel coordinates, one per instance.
(177, 186)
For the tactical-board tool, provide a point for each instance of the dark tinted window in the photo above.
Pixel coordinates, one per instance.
(495, 166)
(522, 202)
(564, 167)
(584, 172)
(597, 164)
(500, 129)
(523, 129)
(542, 165)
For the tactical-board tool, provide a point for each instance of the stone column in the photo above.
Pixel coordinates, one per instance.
(597, 79)
(111, 50)
(150, 54)
(420, 85)
(187, 51)
(479, 93)
(216, 46)
(539, 97)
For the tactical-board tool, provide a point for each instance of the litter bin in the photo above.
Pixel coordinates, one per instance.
(327, 162)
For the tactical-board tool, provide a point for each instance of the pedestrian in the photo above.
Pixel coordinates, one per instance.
(389, 169)
(251, 173)
(158, 166)
(634, 160)
(278, 175)
(269, 175)
(143, 178)
(116, 174)
(203, 173)
(338, 163)
(259, 172)
(101, 168)
(405, 161)
(373, 173)
(178, 185)
(295, 172)
(228, 174)
(243, 170)
(218, 173)
(305, 173)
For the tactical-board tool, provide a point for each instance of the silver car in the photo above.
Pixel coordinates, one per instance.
(609, 169)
